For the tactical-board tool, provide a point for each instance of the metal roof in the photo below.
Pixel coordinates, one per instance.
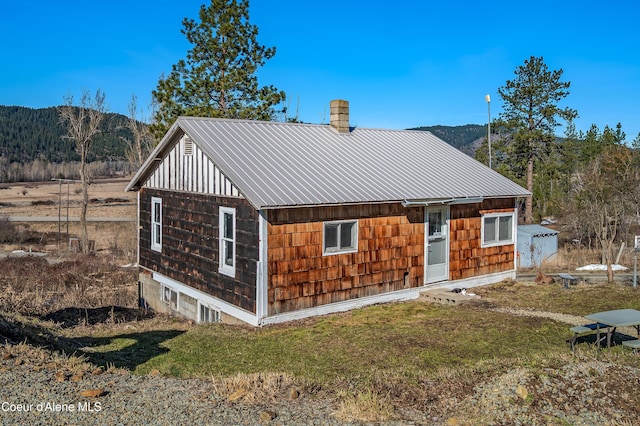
(290, 164)
(536, 230)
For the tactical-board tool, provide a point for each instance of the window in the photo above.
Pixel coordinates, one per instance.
(340, 237)
(156, 224)
(497, 229)
(227, 241)
(170, 297)
(209, 314)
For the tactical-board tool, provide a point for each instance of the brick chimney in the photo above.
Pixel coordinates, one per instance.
(339, 115)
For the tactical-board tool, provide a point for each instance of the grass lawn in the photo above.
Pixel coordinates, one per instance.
(406, 343)
(404, 339)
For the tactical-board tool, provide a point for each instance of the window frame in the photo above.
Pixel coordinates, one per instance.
(156, 226)
(214, 314)
(353, 248)
(498, 241)
(169, 301)
(223, 267)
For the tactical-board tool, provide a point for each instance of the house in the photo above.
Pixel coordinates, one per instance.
(265, 222)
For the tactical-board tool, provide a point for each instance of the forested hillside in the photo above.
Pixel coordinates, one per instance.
(466, 138)
(28, 134)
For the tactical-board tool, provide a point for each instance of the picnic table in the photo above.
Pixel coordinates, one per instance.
(614, 319)
(567, 279)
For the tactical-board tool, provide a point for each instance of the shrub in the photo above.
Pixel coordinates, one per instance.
(8, 231)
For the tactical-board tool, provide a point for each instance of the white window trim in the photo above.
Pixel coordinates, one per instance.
(223, 268)
(215, 311)
(354, 237)
(163, 289)
(498, 242)
(156, 246)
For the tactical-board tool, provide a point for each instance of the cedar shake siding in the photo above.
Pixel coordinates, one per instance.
(390, 255)
(190, 245)
(466, 256)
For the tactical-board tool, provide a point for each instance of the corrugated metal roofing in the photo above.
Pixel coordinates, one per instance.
(535, 230)
(289, 164)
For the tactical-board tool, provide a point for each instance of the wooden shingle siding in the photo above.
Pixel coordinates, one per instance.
(190, 244)
(466, 256)
(390, 255)
(194, 172)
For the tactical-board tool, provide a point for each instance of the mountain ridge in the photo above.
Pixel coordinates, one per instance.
(28, 134)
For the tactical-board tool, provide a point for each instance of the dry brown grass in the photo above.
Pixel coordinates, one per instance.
(32, 286)
(364, 406)
(107, 199)
(253, 388)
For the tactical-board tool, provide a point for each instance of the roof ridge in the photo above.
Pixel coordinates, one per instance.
(282, 123)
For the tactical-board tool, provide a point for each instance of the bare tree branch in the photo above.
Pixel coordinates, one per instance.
(83, 125)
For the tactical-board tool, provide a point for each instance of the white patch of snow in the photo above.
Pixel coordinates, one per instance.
(597, 267)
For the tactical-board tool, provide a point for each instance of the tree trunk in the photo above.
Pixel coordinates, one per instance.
(84, 234)
(528, 213)
(603, 238)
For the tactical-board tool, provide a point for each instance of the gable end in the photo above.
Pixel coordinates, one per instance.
(185, 167)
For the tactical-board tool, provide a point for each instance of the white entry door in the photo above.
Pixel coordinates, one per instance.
(436, 244)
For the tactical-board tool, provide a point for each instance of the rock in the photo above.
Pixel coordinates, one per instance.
(522, 392)
(543, 278)
(154, 372)
(92, 393)
(97, 371)
(294, 393)
(76, 377)
(267, 416)
(452, 421)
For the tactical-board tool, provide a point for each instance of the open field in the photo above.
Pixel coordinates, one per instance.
(57, 202)
(108, 200)
(502, 359)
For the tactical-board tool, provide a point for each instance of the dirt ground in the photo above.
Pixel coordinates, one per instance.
(107, 199)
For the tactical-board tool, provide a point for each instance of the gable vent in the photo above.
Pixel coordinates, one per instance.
(188, 145)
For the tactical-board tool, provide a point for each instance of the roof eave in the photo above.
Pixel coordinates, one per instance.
(135, 183)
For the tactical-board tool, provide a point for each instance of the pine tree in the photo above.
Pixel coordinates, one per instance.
(530, 113)
(218, 77)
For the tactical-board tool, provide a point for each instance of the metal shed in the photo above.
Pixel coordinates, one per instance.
(536, 244)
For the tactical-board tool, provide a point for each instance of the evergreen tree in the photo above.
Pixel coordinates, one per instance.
(218, 77)
(530, 113)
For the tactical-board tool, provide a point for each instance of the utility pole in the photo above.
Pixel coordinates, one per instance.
(488, 99)
(68, 181)
(59, 208)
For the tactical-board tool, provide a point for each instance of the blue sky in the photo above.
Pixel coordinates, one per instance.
(399, 64)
